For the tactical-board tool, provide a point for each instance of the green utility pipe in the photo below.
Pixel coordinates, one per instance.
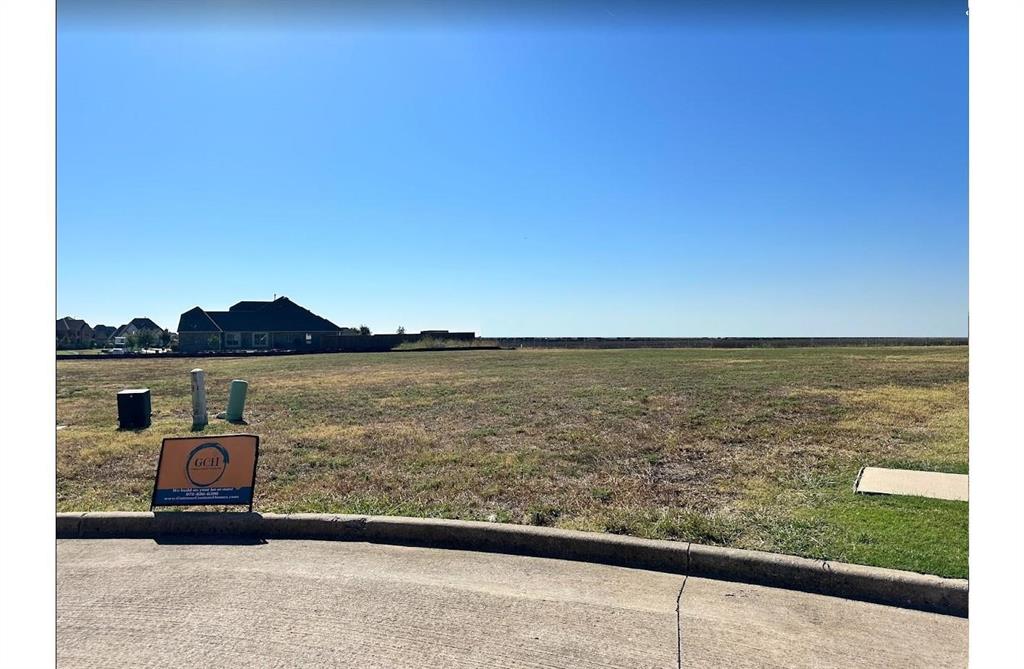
(236, 399)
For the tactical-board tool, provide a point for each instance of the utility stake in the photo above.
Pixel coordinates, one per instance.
(199, 419)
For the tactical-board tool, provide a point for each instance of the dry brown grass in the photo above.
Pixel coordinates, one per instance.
(667, 443)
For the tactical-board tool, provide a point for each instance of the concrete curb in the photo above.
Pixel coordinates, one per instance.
(871, 584)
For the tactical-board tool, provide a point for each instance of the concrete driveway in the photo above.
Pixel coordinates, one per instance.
(139, 603)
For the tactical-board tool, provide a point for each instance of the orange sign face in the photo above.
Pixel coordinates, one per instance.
(207, 470)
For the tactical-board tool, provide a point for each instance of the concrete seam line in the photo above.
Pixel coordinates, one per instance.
(679, 624)
(873, 584)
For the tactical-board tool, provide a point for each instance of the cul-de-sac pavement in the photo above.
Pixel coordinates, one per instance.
(289, 603)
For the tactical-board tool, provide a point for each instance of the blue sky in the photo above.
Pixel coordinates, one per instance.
(655, 177)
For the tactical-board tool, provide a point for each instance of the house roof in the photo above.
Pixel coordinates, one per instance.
(248, 305)
(281, 315)
(68, 324)
(140, 324)
(104, 330)
(197, 320)
(144, 324)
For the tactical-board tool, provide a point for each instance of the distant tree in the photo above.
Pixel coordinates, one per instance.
(363, 330)
(401, 329)
(144, 339)
(165, 338)
(213, 341)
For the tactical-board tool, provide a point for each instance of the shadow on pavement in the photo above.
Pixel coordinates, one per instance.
(185, 540)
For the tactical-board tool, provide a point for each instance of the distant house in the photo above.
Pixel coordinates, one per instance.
(277, 324)
(137, 326)
(101, 334)
(73, 333)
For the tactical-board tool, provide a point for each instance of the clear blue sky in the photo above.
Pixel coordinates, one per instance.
(652, 176)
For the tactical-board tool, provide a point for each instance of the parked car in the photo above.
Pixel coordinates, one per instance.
(116, 351)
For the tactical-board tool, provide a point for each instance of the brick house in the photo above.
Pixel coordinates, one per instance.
(137, 326)
(73, 333)
(253, 325)
(101, 334)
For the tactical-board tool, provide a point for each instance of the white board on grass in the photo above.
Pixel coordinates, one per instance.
(937, 485)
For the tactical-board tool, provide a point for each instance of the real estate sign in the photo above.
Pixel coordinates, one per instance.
(206, 470)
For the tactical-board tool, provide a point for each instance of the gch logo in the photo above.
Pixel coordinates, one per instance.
(206, 464)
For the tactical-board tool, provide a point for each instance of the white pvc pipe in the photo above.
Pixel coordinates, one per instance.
(199, 418)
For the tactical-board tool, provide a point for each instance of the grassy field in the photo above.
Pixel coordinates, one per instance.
(752, 448)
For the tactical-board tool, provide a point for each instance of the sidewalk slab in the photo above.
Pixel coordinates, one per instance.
(937, 485)
(140, 603)
(740, 626)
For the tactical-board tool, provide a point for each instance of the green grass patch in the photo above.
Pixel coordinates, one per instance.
(914, 533)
